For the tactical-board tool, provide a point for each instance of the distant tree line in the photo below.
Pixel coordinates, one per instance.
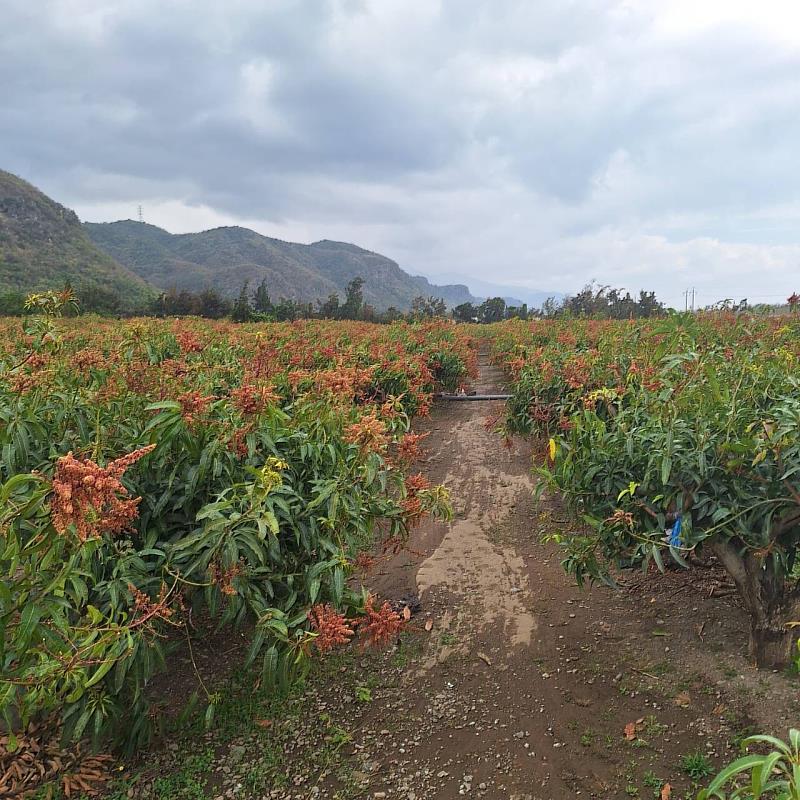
(258, 306)
(600, 302)
(248, 306)
(605, 302)
(494, 309)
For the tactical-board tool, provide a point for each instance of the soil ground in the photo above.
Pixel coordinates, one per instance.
(510, 682)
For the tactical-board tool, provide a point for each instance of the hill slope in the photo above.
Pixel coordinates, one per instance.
(43, 245)
(224, 258)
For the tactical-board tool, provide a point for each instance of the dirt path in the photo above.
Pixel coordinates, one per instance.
(509, 682)
(524, 684)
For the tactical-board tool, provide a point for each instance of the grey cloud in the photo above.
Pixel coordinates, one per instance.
(546, 142)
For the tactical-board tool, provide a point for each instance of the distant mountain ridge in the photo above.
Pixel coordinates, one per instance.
(514, 295)
(43, 246)
(225, 258)
(122, 265)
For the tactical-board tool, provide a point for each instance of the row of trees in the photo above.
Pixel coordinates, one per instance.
(492, 310)
(604, 302)
(209, 303)
(258, 306)
(599, 302)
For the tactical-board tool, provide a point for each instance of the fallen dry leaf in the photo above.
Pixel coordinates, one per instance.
(428, 624)
(483, 657)
(406, 613)
(666, 792)
(630, 731)
(683, 700)
(264, 723)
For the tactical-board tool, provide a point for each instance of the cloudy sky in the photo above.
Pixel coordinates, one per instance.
(542, 143)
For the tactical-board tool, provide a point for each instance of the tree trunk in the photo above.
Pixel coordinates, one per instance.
(770, 646)
(767, 599)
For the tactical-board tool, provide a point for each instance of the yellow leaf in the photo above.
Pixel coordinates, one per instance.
(552, 449)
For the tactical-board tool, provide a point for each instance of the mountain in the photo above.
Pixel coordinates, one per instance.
(514, 295)
(43, 246)
(224, 258)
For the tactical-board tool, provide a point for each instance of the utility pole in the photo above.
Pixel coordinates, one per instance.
(686, 299)
(693, 291)
(141, 218)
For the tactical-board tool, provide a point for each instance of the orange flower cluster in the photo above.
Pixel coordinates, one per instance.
(541, 412)
(409, 448)
(620, 517)
(188, 342)
(515, 366)
(139, 376)
(193, 406)
(145, 609)
(36, 361)
(369, 433)
(223, 577)
(88, 358)
(23, 383)
(412, 510)
(412, 505)
(92, 498)
(238, 440)
(252, 400)
(345, 381)
(332, 628)
(417, 483)
(576, 372)
(364, 562)
(380, 625)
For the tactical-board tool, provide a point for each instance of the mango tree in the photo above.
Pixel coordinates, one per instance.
(703, 454)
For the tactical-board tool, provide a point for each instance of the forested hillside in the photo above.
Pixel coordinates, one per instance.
(225, 258)
(44, 246)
